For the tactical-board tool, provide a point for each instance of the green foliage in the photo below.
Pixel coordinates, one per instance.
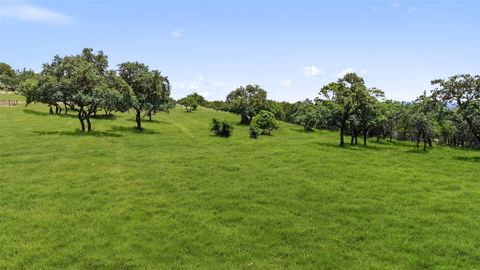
(22, 76)
(7, 77)
(151, 90)
(253, 131)
(247, 101)
(464, 91)
(217, 105)
(199, 99)
(81, 82)
(221, 128)
(189, 102)
(276, 108)
(265, 122)
(28, 88)
(117, 95)
(344, 99)
(307, 115)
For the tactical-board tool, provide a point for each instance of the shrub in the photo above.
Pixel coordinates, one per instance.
(253, 132)
(221, 128)
(265, 121)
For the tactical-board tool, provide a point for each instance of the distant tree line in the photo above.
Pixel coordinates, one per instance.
(449, 115)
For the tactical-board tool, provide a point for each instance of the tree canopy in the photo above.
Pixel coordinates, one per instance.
(347, 99)
(151, 91)
(7, 77)
(247, 101)
(82, 83)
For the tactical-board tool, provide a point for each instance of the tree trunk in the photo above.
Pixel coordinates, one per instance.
(138, 118)
(365, 137)
(66, 109)
(424, 141)
(50, 110)
(342, 143)
(418, 139)
(89, 125)
(430, 142)
(150, 116)
(356, 137)
(80, 118)
(244, 120)
(351, 140)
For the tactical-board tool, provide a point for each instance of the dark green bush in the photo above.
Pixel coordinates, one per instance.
(264, 121)
(253, 131)
(221, 128)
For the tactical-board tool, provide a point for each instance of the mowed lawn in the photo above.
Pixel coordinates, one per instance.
(176, 197)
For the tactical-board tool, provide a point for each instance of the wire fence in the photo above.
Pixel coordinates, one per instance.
(8, 103)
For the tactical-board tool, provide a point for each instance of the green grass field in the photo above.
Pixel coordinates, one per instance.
(176, 197)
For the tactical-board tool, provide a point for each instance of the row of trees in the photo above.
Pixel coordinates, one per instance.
(83, 83)
(449, 115)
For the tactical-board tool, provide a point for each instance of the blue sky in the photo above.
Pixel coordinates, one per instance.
(290, 48)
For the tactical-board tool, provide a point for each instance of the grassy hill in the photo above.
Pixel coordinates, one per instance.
(174, 196)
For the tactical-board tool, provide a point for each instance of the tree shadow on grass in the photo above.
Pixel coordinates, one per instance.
(133, 130)
(48, 114)
(302, 130)
(414, 150)
(217, 136)
(355, 147)
(470, 159)
(397, 143)
(151, 121)
(79, 133)
(104, 117)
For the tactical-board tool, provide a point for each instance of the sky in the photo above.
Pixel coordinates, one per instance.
(290, 48)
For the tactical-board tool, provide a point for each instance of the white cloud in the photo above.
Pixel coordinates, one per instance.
(211, 90)
(312, 71)
(178, 32)
(285, 83)
(343, 72)
(395, 4)
(27, 12)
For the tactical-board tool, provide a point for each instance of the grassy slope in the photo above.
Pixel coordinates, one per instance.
(176, 197)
